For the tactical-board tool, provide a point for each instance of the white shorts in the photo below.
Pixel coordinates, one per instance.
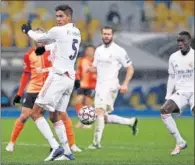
(105, 98)
(183, 98)
(55, 93)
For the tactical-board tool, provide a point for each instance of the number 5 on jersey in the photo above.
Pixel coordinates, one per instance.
(74, 48)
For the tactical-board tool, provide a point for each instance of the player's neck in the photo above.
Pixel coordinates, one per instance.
(184, 53)
(107, 45)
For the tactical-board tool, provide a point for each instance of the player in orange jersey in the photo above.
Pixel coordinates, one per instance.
(36, 69)
(86, 91)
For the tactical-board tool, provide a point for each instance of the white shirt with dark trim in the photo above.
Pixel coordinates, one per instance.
(182, 69)
(67, 39)
(108, 61)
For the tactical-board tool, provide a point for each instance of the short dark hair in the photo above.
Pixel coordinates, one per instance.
(107, 27)
(186, 34)
(66, 9)
(89, 46)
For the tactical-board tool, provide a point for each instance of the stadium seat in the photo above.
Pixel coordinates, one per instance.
(48, 24)
(153, 98)
(161, 12)
(32, 16)
(36, 23)
(21, 40)
(81, 24)
(94, 26)
(170, 26)
(137, 99)
(6, 33)
(174, 15)
(41, 11)
(4, 16)
(15, 7)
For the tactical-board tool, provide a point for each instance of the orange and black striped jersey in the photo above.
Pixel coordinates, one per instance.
(35, 66)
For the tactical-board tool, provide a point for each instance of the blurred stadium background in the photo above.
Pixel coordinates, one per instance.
(146, 29)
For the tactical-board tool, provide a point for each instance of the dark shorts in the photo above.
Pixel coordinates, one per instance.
(86, 92)
(29, 100)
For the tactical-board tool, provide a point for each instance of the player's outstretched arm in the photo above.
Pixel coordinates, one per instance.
(39, 37)
(128, 77)
(92, 69)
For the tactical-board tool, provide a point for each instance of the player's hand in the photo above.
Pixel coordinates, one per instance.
(26, 27)
(40, 50)
(16, 99)
(77, 84)
(124, 88)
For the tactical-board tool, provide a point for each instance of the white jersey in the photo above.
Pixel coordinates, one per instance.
(52, 49)
(182, 67)
(67, 39)
(108, 61)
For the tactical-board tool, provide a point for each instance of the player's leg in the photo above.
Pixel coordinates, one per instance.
(79, 99)
(115, 119)
(173, 105)
(47, 99)
(18, 127)
(59, 126)
(79, 104)
(99, 128)
(191, 102)
(70, 132)
(20, 121)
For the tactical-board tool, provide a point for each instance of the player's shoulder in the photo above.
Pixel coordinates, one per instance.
(99, 47)
(174, 55)
(29, 52)
(118, 48)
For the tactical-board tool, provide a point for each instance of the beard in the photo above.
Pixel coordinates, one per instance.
(107, 42)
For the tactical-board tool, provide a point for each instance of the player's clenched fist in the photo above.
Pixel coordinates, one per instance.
(124, 88)
(26, 27)
(17, 99)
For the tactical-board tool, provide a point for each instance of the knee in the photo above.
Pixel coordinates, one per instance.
(23, 118)
(105, 119)
(163, 110)
(52, 118)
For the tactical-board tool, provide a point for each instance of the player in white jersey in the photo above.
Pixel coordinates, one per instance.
(108, 59)
(55, 94)
(180, 87)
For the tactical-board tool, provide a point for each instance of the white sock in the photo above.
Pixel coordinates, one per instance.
(172, 127)
(99, 128)
(114, 119)
(44, 128)
(61, 133)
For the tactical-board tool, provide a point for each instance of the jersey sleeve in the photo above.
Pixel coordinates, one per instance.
(78, 69)
(26, 62)
(42, 37)
(25, 75)
(49, 47)
(94, 64)
(124, 59)
(23, 83)
(171, 68)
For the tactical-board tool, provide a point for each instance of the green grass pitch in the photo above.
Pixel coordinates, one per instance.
(151, 147)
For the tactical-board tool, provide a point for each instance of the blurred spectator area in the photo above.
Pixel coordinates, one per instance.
(168, 16)
(16, 13)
